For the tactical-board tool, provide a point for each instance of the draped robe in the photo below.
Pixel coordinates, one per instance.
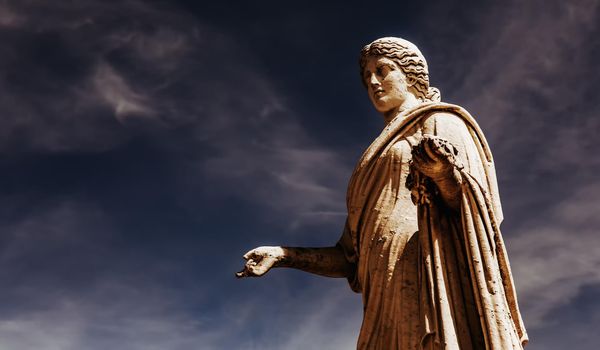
(431, 277)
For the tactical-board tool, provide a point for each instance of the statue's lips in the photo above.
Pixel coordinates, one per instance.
(378, 93)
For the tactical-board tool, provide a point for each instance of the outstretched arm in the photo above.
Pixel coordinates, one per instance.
(327, 261)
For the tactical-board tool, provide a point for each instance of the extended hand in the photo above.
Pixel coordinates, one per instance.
(436, 158)
(260, 260)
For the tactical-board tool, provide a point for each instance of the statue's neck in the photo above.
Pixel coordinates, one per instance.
(410, 102)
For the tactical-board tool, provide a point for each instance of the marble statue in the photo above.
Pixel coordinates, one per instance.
(422, 239)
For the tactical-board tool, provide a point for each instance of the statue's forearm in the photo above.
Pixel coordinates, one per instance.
(327, 261)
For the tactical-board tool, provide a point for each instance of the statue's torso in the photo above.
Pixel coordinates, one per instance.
(388, 253)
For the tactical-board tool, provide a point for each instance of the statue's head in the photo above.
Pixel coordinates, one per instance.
(401, 65)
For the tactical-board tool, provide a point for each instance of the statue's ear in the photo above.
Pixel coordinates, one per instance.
(410, 81)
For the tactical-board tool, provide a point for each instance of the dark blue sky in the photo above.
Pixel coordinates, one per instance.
(145, 146)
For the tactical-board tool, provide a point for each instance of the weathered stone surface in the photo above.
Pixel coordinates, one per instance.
(422, 241)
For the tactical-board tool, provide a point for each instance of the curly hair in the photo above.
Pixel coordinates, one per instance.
(408, 57)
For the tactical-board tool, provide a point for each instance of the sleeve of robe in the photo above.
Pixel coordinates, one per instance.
(346, 244)
(463, 257)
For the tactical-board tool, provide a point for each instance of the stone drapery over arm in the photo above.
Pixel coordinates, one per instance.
(464, 257)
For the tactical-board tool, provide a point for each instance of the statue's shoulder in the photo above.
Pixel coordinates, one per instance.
(443, 122)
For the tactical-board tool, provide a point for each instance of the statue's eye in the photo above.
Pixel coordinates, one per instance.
(382, 71)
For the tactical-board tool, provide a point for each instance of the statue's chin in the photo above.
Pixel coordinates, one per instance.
(382, 106)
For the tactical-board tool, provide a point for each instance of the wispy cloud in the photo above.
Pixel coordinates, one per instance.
(58, 224)
(556, 254)
(98, 70)
(126, 317)
(299, 179)
(8, 18)
(172, 71)
(73, 297)
(532, 70)
(326, 315)
(113, 88)
(114, 315)
(68, 290)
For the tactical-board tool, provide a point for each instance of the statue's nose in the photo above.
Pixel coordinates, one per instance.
(373, 81)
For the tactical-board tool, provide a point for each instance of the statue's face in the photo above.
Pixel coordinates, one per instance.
(386, 83)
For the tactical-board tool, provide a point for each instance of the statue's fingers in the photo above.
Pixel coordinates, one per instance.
(251, 269)
(241, 274)
(423, 159)
(263, 266)
(432, 150)
(248, 254)
(435, 140)
(420, 165)
(419, 153)
(253, 254)
(445, 148)
(417, 159)
(247, 270)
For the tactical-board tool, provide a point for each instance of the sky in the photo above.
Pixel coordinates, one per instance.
(146, 146)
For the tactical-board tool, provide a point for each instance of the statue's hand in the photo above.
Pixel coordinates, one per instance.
(260, 260)
(436, 158)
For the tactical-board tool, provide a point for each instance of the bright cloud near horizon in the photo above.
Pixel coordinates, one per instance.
(145, 146)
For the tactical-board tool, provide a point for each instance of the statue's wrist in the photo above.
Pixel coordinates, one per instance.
(450, 174)
(283, 257)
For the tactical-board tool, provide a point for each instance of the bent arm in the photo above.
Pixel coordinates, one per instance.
(452, 152)
(436, 158)
(326, 261)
